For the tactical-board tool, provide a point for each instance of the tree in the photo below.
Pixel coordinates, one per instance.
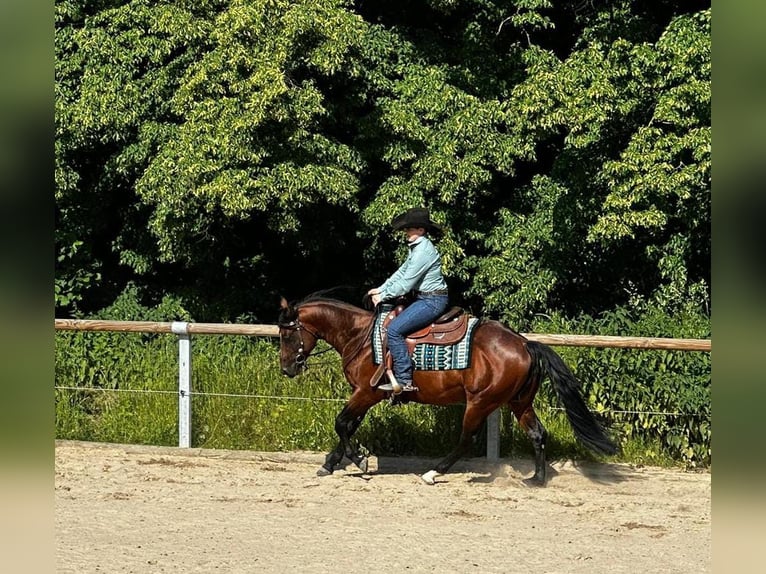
(117, 66)
(617, 199)
(229, 151)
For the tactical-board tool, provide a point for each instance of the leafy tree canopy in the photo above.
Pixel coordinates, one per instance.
(228, 151)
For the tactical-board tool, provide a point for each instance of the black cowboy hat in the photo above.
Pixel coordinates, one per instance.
(415, 217)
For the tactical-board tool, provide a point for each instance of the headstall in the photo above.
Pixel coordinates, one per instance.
(300, 357)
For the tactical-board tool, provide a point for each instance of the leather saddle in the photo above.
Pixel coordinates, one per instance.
(447, 329)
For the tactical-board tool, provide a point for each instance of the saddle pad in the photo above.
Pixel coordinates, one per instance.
(429, 357)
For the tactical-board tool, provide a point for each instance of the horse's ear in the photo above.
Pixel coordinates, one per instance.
(283, 304)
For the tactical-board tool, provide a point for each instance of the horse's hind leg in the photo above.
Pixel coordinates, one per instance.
(528, 420)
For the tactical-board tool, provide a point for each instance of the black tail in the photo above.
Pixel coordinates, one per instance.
(585, 426)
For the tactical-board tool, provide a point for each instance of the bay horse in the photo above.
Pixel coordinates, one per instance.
(505, 369)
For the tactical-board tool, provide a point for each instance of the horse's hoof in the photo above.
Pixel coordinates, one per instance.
(324, 471)
(362, 464)
(533, 481)
(429, 477)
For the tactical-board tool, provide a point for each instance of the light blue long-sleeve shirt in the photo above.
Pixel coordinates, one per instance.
(421, 271)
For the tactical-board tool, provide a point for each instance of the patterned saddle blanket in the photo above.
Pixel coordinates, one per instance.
(427, 356)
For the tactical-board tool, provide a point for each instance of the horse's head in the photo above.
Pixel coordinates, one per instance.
(296, 340)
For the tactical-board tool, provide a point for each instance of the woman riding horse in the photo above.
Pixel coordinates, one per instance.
(421, 274)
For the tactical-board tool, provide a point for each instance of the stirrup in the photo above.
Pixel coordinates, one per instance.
(399, 388)
(395, 386)
(402, 388)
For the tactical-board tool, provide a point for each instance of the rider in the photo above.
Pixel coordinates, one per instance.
(421, 272)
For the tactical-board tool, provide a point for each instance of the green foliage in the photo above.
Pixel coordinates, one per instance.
(101, 359)
(91, 363)
(252, 137)
(664, 172)
(626, 129)
(197, 143)
(515, 278)
(659, 398)
(117, 65)
(69, 289)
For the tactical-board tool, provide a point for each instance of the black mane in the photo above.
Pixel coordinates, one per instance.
(323, 296)
(318, 298)
(290, 314)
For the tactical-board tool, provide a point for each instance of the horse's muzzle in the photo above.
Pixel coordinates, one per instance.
(289, 372)
(294, 369)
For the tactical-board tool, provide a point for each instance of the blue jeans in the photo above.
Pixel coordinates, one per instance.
(423, 311)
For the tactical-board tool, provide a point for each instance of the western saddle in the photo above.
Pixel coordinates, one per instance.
(447, 329)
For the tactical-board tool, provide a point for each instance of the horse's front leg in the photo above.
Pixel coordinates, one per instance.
(332, 460)
(346, 424)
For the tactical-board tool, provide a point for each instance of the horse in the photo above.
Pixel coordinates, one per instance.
(505, 370)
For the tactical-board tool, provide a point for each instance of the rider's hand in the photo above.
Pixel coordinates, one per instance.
(375, 298)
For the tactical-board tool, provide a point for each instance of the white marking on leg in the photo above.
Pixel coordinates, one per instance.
(429, 477)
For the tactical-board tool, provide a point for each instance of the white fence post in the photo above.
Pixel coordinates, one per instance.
(181, 328)
(493, 435)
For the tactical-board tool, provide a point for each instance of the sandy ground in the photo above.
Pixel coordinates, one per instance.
(125, 508)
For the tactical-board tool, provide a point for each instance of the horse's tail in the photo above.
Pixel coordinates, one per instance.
(586, 427)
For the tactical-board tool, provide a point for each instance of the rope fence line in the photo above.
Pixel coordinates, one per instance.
(326, 399)
(183, 330)
(201, 394)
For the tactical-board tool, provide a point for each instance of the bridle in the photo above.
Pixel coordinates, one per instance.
(297, 326)
(300, 355)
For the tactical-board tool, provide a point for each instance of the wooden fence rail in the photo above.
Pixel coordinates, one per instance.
(273, 331)
(166, 327)
(183, 330)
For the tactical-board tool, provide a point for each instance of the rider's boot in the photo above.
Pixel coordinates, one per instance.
(399, 386)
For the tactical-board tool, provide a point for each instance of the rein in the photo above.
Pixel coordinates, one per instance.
(316, 354)
(362, 339)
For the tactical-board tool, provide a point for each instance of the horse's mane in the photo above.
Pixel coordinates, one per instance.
(329, 300)
(321, 296)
